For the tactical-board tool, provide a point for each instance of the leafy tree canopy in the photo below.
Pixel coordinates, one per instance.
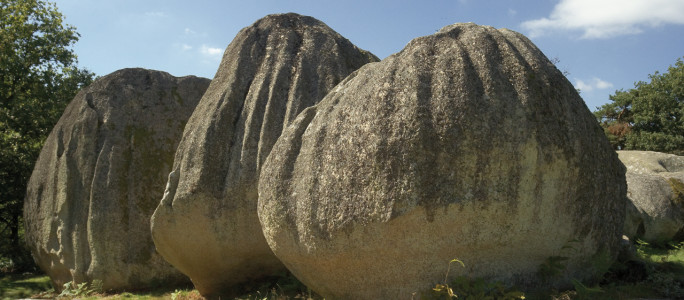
(38, 77)
(650, 116)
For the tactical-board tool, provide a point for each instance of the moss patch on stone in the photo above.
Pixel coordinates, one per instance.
(677, 191)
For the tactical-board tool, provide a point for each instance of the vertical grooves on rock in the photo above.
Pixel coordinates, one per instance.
(267, 93)
(67, 214)
(426, 130)
(225, 110)
(519, 69)
(89, 185)
(294, 96)
(100, 169)
(286, 70)
(289, 163)
(270, 124)
(285, 93)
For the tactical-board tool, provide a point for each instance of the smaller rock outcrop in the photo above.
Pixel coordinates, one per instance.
(655, 189)
(100, 176)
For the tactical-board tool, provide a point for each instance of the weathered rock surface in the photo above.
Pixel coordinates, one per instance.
(655, 189)
(467, 144)
(206, 225)
(100, 176)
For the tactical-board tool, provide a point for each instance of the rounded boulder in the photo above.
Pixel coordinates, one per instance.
(206, 224)
(467, 144)
(100, 176)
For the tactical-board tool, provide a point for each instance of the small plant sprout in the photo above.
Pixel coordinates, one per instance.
(444, 287)
(449, 267)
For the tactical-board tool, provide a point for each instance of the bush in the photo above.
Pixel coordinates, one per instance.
(648, 117)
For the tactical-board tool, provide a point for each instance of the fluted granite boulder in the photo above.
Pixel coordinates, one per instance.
(655, 189)
(206, 225)
(467, 144)
(100, 176)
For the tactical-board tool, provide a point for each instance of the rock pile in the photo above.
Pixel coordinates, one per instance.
(467, 144)
(206, 225)
(655, 189)
(100, 176)
(363, 179)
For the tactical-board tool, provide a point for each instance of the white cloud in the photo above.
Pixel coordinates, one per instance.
(155, 14)
(189, 31)
(593, 84)
(186, 47)
(608, 18)
(211, 51)
(512, 12)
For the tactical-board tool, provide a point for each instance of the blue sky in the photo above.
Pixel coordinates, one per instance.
(603, 45)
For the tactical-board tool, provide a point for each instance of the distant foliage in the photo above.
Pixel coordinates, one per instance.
(648, 117)
(38, 77)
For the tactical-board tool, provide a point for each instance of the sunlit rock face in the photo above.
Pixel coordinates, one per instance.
(467, 144)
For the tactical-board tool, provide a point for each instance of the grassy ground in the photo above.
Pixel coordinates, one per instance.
(651, 272)
(16, 286)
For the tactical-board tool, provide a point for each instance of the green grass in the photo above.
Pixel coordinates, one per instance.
(39, 286)
(184, 294)
(672, 253)
(651, 272)
(15, 286)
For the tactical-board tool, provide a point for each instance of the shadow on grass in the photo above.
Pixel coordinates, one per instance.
(15, 286)
(649, 271)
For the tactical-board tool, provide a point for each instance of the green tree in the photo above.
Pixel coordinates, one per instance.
(650, 116)
(38, 77)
